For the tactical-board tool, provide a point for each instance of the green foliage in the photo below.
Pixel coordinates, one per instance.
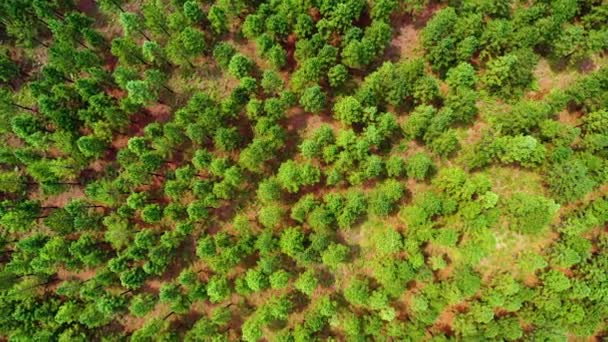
(348, 212)
(556, 281)
(523, 149)
(307, 282)
(269, 190)
(359, 53)
(217, 18)
(334, 255)
(444, 144)
(91, 146)
(142, 304)
(140, 92)
(357, 292)
(292, 176)
(524, 117)
(388, 241)
(277, 57)
(226, 139)
(131, 23)
(279, 279)
(292, 242)
(383, 201)
(337, 75)
(463, 104)
(223, 53)
(305, 205)
(240, 66)
(529, 214)
(569, 180)
(193, 41)
(419, 166)
(151, 213)
(253, 26)
(218, 289)
(271, 82)
(313, 99)
(349, 110)
(396, 167)
(162, 158)
(510, 74)
(417, 122)
(192, 11)
(462, 75)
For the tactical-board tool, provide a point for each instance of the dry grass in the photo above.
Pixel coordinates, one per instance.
(511, 179)
(549, 77)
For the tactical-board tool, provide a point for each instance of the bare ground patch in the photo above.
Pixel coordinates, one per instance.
(406, 42)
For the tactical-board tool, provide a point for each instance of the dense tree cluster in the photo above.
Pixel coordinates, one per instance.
(286, 170)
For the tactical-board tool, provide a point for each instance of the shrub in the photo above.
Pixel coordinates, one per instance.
(334, 255)
(417, 122)
(384, 199)
(349, 110)
(522, 118)
(240, 66)
(307, 282)
(529, 214)
(223, 53)
(271, 216)
(510, 74)
(419, 166)
(337, 75)
(462, 75)
(395, 166)
(357, 292)
(569, 180)
(313, 99)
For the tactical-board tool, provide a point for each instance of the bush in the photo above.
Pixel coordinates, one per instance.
(529, 214)
(445, 143)
(357, 292)
(253, 26)
(510, 74)
(334, 255)
(272, 83)
(240, 66)
(277, 57)
(302, 207)
(463, 103)
(151, 213)
(523, 117)
(269, 190)
(569, 180)
(418, 121)
(313, 99)
(349, 110)
(395, 167)
(384, 198)
(337, 75)
(271, 216)
(522, 149)
(389, 241)
(419, 166)
(279, 279)
(307, 282)
(293, 176)
(463, 75)
(292, 242)
(223, 53)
